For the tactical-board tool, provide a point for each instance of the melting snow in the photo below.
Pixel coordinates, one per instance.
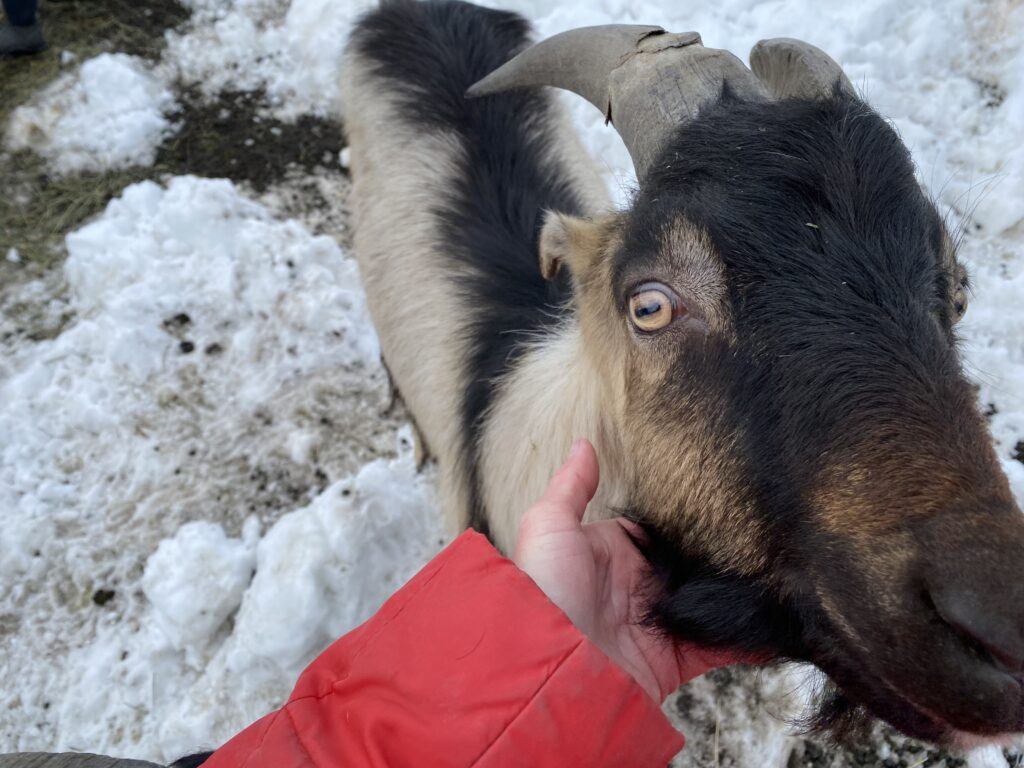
(109, 113)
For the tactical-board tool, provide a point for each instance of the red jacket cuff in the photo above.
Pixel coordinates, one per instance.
(469, 664)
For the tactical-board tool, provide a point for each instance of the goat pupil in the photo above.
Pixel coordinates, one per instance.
(651, 308)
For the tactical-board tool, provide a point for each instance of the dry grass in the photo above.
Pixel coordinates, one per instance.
(86, 28)
(37, 209)
(227, 137)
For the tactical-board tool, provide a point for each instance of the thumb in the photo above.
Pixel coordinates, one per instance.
(573, 485)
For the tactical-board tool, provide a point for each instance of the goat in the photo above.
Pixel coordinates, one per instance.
(761, 346)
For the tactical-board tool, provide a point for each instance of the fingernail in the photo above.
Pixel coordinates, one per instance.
(576, 448)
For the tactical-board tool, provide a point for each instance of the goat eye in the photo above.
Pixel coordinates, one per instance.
(653, 306)
(960, 302)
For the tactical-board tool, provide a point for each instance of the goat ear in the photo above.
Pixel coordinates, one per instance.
(568, 240)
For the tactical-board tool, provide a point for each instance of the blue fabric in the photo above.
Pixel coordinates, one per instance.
(21, 13)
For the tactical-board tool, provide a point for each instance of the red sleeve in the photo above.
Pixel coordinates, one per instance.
(469, 664)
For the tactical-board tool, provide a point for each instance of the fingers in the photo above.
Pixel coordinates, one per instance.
(574, 485)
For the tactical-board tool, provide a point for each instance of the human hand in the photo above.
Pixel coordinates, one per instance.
(595, 573)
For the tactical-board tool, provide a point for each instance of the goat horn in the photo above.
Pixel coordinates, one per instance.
(795, 69)
(644, 80)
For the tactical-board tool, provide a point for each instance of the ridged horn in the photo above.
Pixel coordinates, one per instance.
(795, 69)
(645, 81)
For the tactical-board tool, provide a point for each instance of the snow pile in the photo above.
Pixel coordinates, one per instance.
(215, 364)
(292, 52)
(183, 679)
(210, 252)
(110, 113)
(196, 580)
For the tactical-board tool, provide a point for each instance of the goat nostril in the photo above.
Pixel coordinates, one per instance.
(996, 634)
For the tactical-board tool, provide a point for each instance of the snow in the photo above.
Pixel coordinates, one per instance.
(319, 571)
(987, 757)
(203, 434)
(206, 339)
(109, 113)
(293, 53)
(196, 579)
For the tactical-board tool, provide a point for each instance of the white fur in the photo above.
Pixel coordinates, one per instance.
(399, 173)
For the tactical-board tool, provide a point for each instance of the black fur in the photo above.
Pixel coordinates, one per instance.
(833, 261)
(819, 309)
(692, 598)
(433, 52)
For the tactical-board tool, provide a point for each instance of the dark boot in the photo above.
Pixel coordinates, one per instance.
(21, 40)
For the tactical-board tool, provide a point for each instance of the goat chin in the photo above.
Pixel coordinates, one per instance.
(961, 740)
(835, 717)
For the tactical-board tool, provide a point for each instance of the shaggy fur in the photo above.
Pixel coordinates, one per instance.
(490, 218)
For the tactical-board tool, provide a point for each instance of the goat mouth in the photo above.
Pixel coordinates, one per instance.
(958, 738)
(845, 714)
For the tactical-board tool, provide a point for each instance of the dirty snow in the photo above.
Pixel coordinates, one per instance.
(319, 571)
(292, 51)
(109, 113)
(196, 579)
(212, 360)
(210, 403)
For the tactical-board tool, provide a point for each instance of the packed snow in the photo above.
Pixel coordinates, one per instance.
(201, 481)
(109, 113)
(214, 358)
(319, 571)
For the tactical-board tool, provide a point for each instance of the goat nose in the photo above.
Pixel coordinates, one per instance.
(991, 624)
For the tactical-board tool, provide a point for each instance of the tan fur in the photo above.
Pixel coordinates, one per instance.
(698, 275)
(921, 467)
(599, 380)
(398, 173)
(688, 477)
(569, 154)
(555, 396)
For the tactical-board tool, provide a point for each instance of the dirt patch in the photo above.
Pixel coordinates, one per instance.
(232, 137)
(886, 750)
